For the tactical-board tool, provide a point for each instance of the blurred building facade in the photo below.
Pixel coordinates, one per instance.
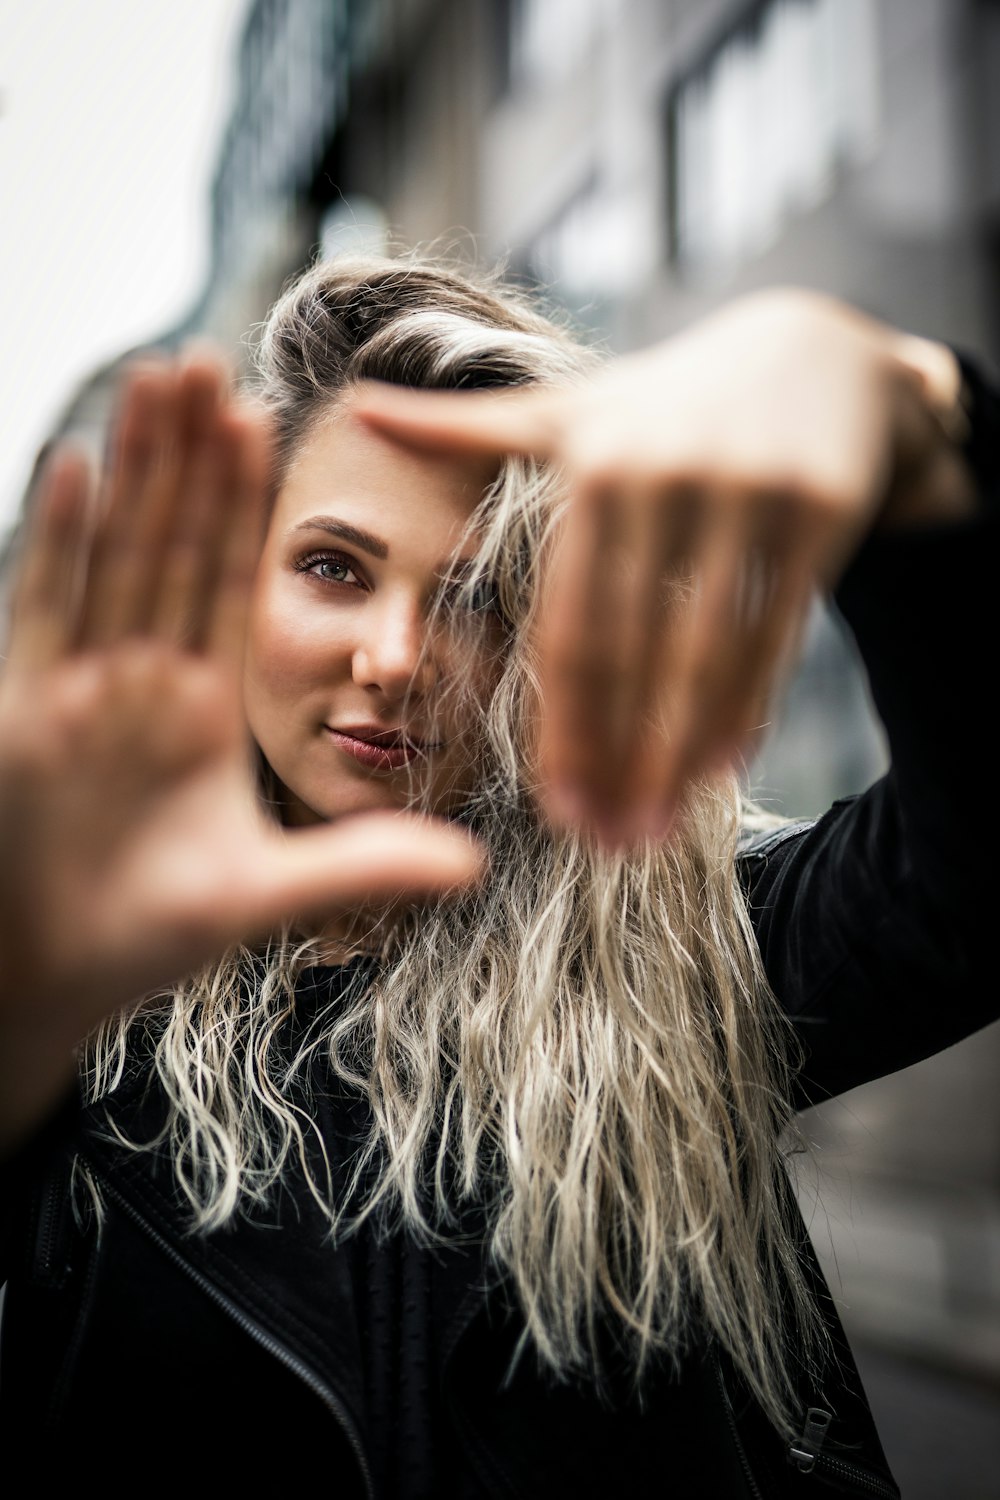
(642, 160)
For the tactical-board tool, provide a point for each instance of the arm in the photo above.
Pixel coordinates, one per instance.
(874, 924)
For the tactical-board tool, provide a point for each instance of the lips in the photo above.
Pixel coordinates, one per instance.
(389, 739)
(380, 749)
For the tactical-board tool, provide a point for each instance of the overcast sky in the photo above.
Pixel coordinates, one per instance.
(111, 113)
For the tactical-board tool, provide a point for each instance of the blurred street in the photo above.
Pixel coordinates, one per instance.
(941, 1434)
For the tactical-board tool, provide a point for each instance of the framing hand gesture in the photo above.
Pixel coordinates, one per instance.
(133, 847)
(714, 481)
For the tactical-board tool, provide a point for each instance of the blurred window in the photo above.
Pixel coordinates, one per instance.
(597, 245)
(760, 128)
(548, 39)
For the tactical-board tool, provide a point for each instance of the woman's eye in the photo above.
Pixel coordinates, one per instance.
(329, 568)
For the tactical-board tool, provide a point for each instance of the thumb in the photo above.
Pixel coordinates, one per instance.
(375, 858)
(475, 422)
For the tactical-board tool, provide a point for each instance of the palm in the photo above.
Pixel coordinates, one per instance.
(112, 767)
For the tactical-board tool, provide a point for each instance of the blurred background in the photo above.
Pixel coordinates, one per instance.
(165, 167)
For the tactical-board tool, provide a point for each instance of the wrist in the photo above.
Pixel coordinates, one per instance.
(932, 481)
(942, 386)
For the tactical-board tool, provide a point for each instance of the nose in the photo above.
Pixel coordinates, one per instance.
(392, 655)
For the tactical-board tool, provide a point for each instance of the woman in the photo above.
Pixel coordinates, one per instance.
(472, 1186)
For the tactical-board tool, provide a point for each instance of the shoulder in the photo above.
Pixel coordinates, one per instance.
(758, 842)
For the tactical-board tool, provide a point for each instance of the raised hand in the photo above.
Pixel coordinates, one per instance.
(714, 481)
(133, 846)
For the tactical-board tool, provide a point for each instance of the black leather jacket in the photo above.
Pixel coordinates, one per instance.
(139, 1350)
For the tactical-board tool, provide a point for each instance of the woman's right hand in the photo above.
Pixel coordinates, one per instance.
(134, 849)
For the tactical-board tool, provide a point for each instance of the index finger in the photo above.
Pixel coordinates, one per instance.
(473, 422)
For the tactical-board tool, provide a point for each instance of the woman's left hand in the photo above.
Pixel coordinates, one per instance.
(715, 480)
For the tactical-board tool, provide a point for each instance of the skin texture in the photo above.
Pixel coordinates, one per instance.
(339, 635)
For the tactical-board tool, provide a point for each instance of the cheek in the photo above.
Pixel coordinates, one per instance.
(289, 649)
(274, 649)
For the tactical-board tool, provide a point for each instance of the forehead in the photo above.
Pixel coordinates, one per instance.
(417, 500)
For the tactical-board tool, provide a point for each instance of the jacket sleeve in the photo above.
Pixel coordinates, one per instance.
(874, 923)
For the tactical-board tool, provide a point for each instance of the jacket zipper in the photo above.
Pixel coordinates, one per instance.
(807, 1452)
(260, 1336)
(51, 1208)
(734, 1431)
(858, 1476)
(836, 1466)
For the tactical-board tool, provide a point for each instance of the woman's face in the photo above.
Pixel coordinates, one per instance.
(346, 689)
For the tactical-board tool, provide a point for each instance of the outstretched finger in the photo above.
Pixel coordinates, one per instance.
(241, 520)
(756, 594)
(184, 569)
(124, 539)
(45, 599)
(157, 463)
(578, 661)
(674, 518)
(376, 859)
(606, 608)
(785, 587)
(698, 664)
(474, 422)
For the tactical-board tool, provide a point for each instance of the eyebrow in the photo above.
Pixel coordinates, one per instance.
(345, 532)
(458, 570)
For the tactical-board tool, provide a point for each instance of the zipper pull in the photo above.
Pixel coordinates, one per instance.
(804, 1451)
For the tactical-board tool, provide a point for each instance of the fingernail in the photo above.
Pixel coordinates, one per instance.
(723, 759)
(612, 834)
(563, 803)
(659, 820)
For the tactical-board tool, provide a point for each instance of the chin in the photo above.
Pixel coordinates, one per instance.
(322, 802)
(328, 809)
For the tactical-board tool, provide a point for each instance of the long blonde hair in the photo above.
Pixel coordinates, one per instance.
(585, 1044)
